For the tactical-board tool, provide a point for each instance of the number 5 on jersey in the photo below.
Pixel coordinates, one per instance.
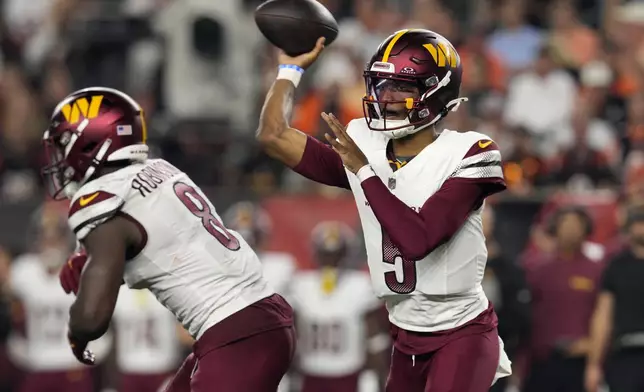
(200, 207)
(391, 255)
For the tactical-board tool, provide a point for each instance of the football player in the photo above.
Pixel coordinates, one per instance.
(339, 321)
(147, 347)
(254, 224)
(39, 345)
(145, 222)
(419, 189)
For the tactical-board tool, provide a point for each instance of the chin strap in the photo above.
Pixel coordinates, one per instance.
(451, 106)
(454, 104)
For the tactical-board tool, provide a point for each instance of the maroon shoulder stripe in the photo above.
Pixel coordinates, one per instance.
(481, 146)
(88, 200)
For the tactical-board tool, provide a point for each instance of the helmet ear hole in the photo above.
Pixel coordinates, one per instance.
(432, 81)
(89, 147)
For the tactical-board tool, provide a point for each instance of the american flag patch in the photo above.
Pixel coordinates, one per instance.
(123, 130)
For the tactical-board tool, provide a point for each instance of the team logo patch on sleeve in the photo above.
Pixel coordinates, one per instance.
(88, 200)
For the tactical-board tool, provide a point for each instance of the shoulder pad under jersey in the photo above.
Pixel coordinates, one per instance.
(481, 158)
(96, 202)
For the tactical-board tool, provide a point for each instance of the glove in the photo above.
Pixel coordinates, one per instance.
(80, 350)
(71, 272)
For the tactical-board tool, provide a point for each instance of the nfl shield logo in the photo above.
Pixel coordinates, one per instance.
(392, 183)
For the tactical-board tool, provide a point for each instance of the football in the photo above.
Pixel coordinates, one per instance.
(295, 25)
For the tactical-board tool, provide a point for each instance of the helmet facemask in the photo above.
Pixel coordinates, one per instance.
(61, 179)
(58, 175)
(410, 99)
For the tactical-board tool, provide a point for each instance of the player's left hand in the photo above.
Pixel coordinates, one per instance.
(352, 157)
(80, 351)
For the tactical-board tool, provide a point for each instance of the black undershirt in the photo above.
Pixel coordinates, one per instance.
(623, 278)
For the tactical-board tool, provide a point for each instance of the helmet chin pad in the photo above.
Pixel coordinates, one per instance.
(402, 127)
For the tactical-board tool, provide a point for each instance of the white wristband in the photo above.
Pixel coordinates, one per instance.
(290, 72)
(365, 172)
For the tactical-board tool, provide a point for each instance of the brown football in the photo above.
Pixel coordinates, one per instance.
(295, 25)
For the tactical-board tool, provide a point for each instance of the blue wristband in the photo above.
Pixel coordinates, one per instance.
(291, 66)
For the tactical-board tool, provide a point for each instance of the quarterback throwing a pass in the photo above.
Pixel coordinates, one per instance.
(420, 191)
(144, 221)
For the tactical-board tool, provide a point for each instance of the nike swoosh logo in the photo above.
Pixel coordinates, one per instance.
(86, 200)
(483, 144)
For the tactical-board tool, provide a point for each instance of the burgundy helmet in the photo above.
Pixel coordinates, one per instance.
(333, 243)
(420, 62)
(251, 221)
(88, 130)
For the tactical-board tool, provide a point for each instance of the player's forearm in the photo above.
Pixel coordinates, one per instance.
(275, 115)
(89, 317)
(86, 324)
(418, 234)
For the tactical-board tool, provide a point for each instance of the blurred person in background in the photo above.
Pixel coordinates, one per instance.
(597, 81)
(523, 168)
(573, 43)
(8, 373)
(624, 28)
(148, 341)
(505, 286)
(541, 100)
(635, 122)
(586, 149)
(338, 86)
(483, 71)
(371, 23)
(588, 131)
(564, 289)
(254, 224)
(39, 344)
(432, 14)
(19, 141)
(341, 331)
(515, 42)
(617, 330)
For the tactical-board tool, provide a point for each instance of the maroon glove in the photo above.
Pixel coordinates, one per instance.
(71, 272)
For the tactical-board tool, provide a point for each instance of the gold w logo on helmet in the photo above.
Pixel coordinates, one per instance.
(73, 111)
(444, 54)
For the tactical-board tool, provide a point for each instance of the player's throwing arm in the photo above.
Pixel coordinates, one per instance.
(299, 48)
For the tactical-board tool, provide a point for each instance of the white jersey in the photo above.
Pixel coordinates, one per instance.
(44, 346)
(443, 290)
(331, 327)
(146, 339)
(195, 267)
(279, 268)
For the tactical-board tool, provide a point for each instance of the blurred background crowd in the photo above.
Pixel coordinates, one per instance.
(558, 84)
